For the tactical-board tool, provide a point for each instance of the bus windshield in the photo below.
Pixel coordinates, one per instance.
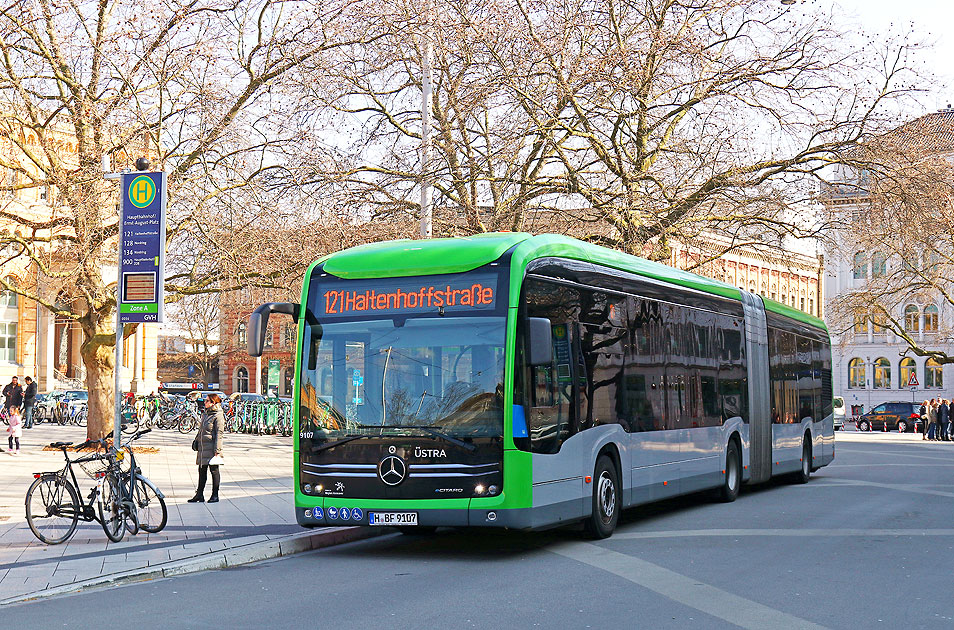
(402, 372)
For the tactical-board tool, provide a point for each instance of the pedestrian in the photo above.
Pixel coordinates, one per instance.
(942, 413)
(14, 429)
(208, 447)
(12, 394)
(932, 419)
(923, 412)
(948, 418)
(29, 399)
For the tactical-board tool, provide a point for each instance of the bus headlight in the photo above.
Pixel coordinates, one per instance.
(319, 488)
(492, 490)
(307, 488)
(479, 489)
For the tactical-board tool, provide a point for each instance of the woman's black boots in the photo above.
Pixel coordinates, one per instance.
(198, 498)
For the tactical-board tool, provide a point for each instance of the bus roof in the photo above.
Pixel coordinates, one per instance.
(455, 255)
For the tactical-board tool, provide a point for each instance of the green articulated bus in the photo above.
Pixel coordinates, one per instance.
(520, 381)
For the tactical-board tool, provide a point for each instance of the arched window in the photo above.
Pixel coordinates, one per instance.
(930, 318)
(882, 374)
(860, 266)
(933, 375)
(856, 374)
(912, 318)
(908, 367)
(241, 337)
(879, 265)
(241, 379)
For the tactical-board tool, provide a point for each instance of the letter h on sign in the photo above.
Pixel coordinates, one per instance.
(142, 191)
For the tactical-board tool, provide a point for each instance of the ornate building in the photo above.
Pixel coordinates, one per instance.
(870, 363)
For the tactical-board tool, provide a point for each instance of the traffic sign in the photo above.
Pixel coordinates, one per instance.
(142, 247)
(913, 379)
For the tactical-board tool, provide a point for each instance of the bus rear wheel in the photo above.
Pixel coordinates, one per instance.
(606, 499)
(805, 472)
(733, 474)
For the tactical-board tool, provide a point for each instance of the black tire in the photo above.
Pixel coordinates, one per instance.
(187, 424)
(606, 499)
(131, 426)
(805, 472)
(732, 478)
(111, 513)
(52, 509)
(864, 425)
(414, 530)
(902, 426)
(153, 514)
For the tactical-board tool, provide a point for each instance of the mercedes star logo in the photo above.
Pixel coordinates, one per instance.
(392, 470)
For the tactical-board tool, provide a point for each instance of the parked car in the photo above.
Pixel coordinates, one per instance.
(891, 416)
(838, 412)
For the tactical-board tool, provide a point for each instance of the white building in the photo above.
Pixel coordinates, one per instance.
(870, 364)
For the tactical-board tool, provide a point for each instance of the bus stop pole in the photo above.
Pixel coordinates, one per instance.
(117, 361)
(117, 387)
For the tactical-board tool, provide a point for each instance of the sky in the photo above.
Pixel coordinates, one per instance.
(932, 21)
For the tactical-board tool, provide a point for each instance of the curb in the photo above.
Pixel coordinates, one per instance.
(236, 556)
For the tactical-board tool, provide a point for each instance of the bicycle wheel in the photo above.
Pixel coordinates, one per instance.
(131, 425)
(111, 513)
(187, 424)
(52, 509)
(81, 417)
(152, 507)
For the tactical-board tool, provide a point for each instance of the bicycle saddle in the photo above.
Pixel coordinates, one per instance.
(60, 444)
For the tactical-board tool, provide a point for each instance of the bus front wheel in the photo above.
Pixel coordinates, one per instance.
(606, 499)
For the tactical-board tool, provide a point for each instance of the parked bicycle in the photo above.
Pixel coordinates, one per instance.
(122, 500)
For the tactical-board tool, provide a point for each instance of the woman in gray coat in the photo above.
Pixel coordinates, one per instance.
(209, 442)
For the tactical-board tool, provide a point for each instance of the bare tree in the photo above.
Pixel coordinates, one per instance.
(899, 213)
(191, 83)
(628, 122)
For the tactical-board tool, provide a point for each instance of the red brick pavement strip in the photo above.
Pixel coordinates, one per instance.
(232, 557)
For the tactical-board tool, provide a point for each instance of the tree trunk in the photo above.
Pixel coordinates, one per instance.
(98, 359)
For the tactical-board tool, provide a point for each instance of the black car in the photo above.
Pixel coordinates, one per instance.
(891, 416)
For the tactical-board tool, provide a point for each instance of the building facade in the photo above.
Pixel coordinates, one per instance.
(872, 365)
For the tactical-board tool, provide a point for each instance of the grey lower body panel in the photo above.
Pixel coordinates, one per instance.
(513, 518)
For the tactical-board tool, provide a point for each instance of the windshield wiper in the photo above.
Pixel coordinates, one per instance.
(350, 438)
(436, 432)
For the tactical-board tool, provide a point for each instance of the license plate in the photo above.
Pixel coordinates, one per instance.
(392, 518)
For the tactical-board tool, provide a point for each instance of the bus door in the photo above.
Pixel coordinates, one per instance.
(652, 398)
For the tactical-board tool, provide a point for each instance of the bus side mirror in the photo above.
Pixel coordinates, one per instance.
(539, 341)
(258, 323)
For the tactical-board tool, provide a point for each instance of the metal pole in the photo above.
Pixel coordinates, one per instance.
(427, 209)
(117, 364)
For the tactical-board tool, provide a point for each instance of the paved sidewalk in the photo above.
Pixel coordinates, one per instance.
(255, 507)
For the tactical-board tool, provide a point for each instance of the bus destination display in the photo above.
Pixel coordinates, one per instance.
(396, 296)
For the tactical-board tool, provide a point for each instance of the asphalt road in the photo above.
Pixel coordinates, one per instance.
(867, 543)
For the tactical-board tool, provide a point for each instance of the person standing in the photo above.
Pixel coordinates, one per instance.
(29, 399)
(923, 412)
(14, 429)
(944, 419)
(208, 445)
(932, 419)
(12, 394)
